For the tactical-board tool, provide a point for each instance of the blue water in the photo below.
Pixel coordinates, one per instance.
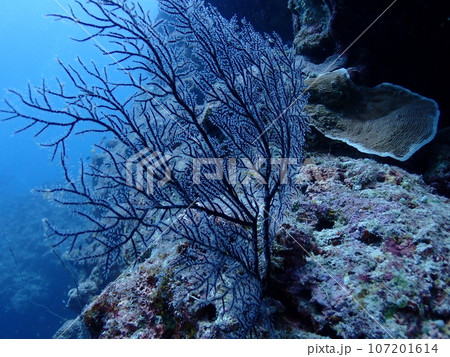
(34, 284)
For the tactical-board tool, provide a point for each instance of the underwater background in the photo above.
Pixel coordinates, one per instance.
(34, 283)
(374, 196)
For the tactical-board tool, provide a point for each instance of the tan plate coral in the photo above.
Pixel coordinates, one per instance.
(387, 120)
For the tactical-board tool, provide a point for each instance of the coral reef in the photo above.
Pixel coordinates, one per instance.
(312, 28)
(352, 249)
(72, 329)
(382, 245)
(362, 253)
(408, 45)
(153, 301)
